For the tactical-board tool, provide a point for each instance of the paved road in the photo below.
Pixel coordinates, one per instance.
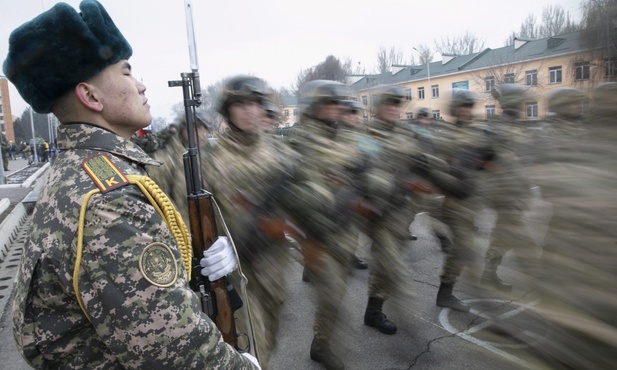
(428, 337)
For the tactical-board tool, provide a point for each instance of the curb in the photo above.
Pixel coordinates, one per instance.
(10, 227)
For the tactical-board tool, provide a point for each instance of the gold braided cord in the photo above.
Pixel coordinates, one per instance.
(168, 212)
(80, 245)
(163, 206)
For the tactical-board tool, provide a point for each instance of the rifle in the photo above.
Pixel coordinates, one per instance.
(219, 300)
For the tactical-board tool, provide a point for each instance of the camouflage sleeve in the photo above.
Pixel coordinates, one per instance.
(134, 288)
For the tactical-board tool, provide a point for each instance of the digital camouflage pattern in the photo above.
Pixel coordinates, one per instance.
(131, 322)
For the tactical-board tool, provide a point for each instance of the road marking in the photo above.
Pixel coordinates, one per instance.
(491, 346)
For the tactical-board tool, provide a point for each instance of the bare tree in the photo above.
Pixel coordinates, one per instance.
(387, 57)
(529, 28)
(463, 45)
(426, 55)
(329, 69)
(555, 21)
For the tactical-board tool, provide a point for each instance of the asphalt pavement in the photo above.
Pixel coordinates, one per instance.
(428, 336)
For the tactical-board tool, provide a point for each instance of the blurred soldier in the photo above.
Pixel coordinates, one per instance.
(167, 134)
(352, 127)
(247, 171)
(388, 156)
(576, 171)
(271, 116)
(504, 188)
(467, 149)
(170, 175)
(328, 242)
(102, 283)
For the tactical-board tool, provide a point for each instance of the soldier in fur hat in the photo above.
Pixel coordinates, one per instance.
(103, 283)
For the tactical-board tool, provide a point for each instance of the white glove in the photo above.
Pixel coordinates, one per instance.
(219, 260)
(252, 359)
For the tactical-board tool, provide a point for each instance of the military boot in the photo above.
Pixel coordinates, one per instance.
(375, 318)
(307, 275)
(446, 299)
(321, 352)
(491, 278)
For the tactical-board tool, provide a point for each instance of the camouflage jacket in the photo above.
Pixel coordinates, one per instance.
(247, 174)
(326, 160)
(389, 151)
(136, 319)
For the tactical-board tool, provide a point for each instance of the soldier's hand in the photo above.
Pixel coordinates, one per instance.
(219, 260)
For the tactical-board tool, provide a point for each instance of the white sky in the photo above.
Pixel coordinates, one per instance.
(276, 39)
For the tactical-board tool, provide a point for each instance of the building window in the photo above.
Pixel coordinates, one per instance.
(436, 114)
(554, 75)
(581, 71)
(531, 78)
(532, 109)
(364, 100)
(409, 116)
(408, 94)
(610, 68)
(286, 112)
(508, 78)
(490, 84)
(490, 111)
(295, 112)
(420, 93)
(435, 89)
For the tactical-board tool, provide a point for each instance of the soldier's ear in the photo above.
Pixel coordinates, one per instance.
(86, 94)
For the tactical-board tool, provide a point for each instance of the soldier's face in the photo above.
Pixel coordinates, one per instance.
(329, 111)
(247, 115)
(389, 112)
(125, 106)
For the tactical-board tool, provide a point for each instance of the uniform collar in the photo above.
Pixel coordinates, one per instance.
(80, 135)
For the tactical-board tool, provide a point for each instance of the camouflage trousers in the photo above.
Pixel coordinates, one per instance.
(386, 274)
(266, 294)
(510, 234)
(459, 217)
(330, 281)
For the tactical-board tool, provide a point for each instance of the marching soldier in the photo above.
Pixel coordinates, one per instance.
(247, 172)
(313, 206)
(504, 188)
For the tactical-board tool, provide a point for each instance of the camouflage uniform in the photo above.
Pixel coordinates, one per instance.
(467, 149)
(312, 203)
(504, 189)
(246, 172)
(389, 149)
(134, 320)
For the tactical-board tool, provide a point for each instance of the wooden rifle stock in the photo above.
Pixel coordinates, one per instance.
(215, 299)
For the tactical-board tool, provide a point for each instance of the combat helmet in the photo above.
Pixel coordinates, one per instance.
(604, 101)
(566, 102)
(461, 98)
(423, 112)
(511, 98)
(390, 94)
(317, 92)
(241, 88)
(272, 111)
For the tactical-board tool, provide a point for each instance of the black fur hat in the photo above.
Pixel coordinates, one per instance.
(60, 48)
